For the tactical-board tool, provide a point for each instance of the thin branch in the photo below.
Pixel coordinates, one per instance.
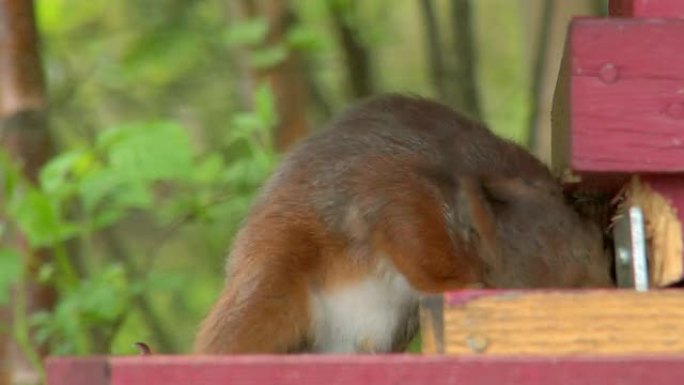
(465, 55)
(434, 47)
(356, 54)
(538, 69)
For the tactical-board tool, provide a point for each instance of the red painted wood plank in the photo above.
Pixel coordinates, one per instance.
(392, 370)
(647, 8)
(77, 371)
(626, 102)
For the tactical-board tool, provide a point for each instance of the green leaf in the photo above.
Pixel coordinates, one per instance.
(152, 151)
(98, 186)
(254, 128)
(163, 56)
(235, 207)
(209, 169)
(9, 176)
(166, 281)
(111, 137)
(10, 272)
(244, 125)
(108, 189)
(247, 33)
(106, 217)
(103, 297)
(305, 38)
(106, 197)
(54, 177)
(268, 56)
(246, 172)
(60, 16)
(98, 301)
(265, 106)
(38, 217)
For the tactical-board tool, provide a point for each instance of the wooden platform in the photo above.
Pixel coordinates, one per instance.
(365, 370)
(542, 323)
(471, 337)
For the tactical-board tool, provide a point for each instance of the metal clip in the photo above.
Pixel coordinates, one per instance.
(631, 262)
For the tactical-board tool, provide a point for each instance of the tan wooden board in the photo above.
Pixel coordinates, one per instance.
(606, 322)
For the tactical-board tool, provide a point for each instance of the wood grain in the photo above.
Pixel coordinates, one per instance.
(540, 323)
(661, 199)
(379, 370)
(432, 324)
(647, 8)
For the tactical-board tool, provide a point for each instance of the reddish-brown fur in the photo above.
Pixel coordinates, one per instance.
(410, 181)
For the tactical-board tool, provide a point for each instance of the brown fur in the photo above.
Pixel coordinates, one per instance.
(446, 201)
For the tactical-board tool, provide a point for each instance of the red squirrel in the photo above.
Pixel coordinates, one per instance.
(398, 197)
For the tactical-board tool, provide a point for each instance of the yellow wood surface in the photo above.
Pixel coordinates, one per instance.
(663, 232)
(563, 323)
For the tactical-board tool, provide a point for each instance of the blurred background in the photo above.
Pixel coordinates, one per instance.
(134, 134)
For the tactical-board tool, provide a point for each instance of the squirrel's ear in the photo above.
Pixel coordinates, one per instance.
(475, 217)
(501, 189)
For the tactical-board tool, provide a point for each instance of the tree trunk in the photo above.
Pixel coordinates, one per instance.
(288, 78)
(24, 133)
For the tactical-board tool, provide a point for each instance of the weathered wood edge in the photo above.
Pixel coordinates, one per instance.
(432, 324)
(462, 297)
(606, 322)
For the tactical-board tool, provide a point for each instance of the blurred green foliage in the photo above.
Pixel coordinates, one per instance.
(160, 156)
(146, 167)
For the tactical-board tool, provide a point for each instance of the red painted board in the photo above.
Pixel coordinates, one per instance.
(385, 370)
(626, 96)
(647, 8)
(77, 371)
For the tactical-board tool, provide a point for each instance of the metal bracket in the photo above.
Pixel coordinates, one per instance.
(631, 262)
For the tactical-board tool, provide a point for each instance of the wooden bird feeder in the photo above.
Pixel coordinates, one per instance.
(618, 128)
